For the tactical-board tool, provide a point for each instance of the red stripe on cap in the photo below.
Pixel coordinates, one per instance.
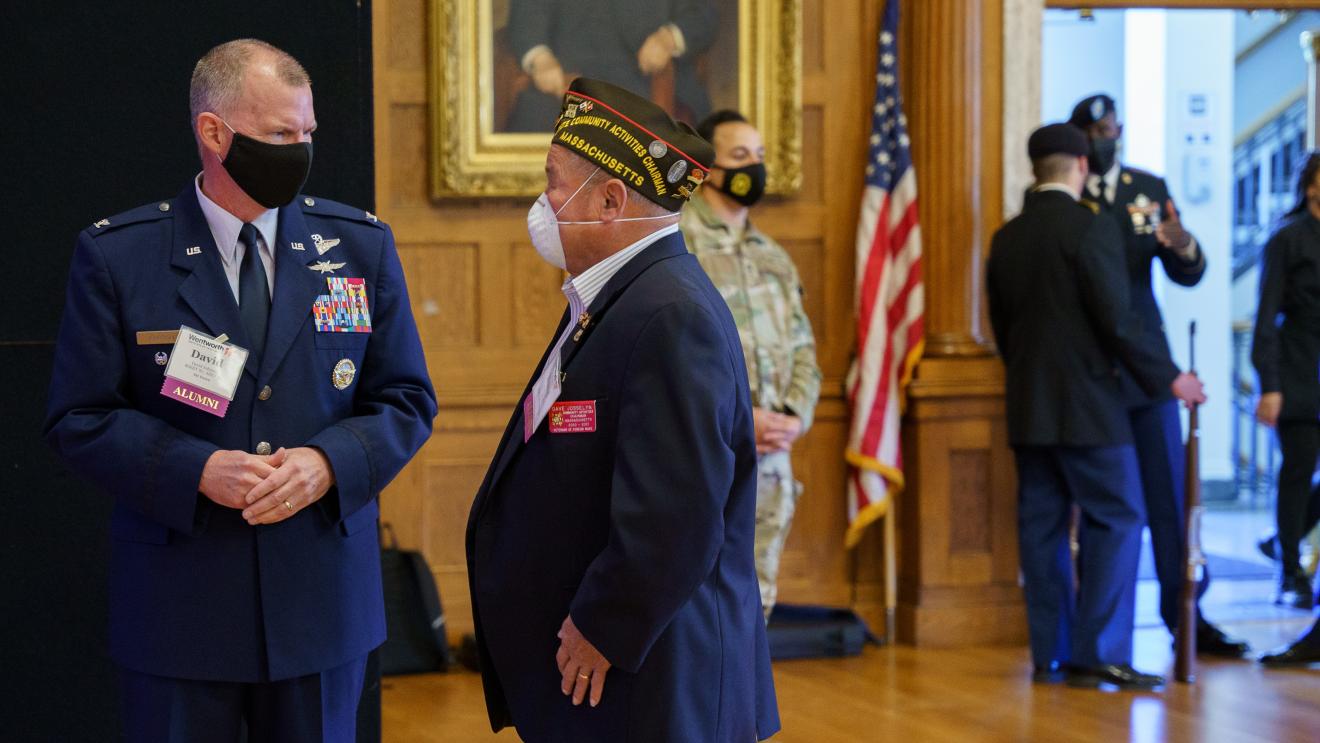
(668, 144)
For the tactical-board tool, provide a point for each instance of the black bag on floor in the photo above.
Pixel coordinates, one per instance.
(414, 619)
(815, 632)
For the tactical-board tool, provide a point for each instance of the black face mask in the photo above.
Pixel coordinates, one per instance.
(744, 185)
(272, 174)
(1103, 152)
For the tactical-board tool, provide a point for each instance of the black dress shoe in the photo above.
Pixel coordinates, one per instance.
(1302, 652)
(1295, 591)
(1210, 640)
(1047, 674)
(1122, 677)
(1269, 546)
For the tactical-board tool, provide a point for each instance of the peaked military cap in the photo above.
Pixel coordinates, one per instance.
(634, 140)
(1092, 109)
(1054, 139)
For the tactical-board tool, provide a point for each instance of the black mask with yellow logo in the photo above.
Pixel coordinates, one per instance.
(744, 185)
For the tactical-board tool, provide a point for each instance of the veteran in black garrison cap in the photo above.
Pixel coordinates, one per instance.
(611, 545)
(634, 140)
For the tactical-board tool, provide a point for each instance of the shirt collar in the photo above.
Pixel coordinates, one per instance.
(587, 285)
(701, 208)
(225, 226)
(1060, 187)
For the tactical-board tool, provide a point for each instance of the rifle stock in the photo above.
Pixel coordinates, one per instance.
(1184, 666)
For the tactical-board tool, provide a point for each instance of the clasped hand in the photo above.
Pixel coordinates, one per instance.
(267, 488)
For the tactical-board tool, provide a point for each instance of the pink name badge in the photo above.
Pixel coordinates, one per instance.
(194, 396)
(573, 416)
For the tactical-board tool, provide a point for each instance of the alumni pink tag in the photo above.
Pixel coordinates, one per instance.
(195, 396)
(573, 416)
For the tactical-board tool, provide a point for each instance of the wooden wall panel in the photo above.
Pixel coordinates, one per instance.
(486, 305)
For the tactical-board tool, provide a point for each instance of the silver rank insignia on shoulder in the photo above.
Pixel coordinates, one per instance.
(194, 250)
(326, 266)
(322, 244)
(342, 375)
(102, 223)
(371, 216)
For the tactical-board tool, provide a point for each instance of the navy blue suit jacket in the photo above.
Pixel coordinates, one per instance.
(195, 591)
(642, 529)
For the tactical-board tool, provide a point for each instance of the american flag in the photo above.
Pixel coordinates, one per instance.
(889, 299)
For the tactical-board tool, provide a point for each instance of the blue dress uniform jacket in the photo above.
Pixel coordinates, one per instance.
(642, 529)
(196, 592)
(1141, 249)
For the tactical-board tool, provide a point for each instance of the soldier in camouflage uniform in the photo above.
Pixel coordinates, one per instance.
(760, 283)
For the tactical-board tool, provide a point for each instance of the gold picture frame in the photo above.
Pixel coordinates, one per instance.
(472, 72)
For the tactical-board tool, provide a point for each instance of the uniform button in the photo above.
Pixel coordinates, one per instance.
(265, 393)
(164, 206)
(263, 448)
(309, 201)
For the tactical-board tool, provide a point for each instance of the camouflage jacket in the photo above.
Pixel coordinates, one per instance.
(759, 282)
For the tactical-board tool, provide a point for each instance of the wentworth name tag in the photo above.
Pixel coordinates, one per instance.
(203, 372)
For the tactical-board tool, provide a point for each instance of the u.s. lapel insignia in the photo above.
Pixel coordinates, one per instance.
(323, 245)
(194, 250)
(297, 246)
(1127, 179)
(102, 223)
(584, 320)
(342, 375)
(326, 266)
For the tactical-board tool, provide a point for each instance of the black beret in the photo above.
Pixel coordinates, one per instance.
(1092, 109)
(1053, 139)
(635, 140)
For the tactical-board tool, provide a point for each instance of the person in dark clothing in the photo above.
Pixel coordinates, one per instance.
(1286, 353)
(624, 42)
(1141, 206)
(1062, 319)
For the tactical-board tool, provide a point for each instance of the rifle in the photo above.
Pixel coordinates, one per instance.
(1184, 664)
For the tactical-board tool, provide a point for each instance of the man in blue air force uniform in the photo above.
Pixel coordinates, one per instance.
(610, 548)
(245, 576)
(1140, 204)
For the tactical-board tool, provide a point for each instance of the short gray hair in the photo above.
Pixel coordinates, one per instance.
(217, 80)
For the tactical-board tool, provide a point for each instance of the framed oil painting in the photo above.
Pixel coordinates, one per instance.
(499, 68)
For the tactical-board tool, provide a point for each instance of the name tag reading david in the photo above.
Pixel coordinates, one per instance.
(203, 371)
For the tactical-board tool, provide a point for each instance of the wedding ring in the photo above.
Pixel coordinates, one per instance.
(584, 677)
(288, 505)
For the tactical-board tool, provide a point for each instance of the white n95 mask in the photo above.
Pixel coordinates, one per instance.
(543, 225)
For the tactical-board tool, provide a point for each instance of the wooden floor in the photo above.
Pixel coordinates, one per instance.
(908, 695)
(905, 695)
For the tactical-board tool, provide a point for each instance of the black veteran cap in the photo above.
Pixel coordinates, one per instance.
(1054, 139)
(1092, 109)
(634, 140)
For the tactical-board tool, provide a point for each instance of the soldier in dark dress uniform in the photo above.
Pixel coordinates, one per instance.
(1140, 204)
